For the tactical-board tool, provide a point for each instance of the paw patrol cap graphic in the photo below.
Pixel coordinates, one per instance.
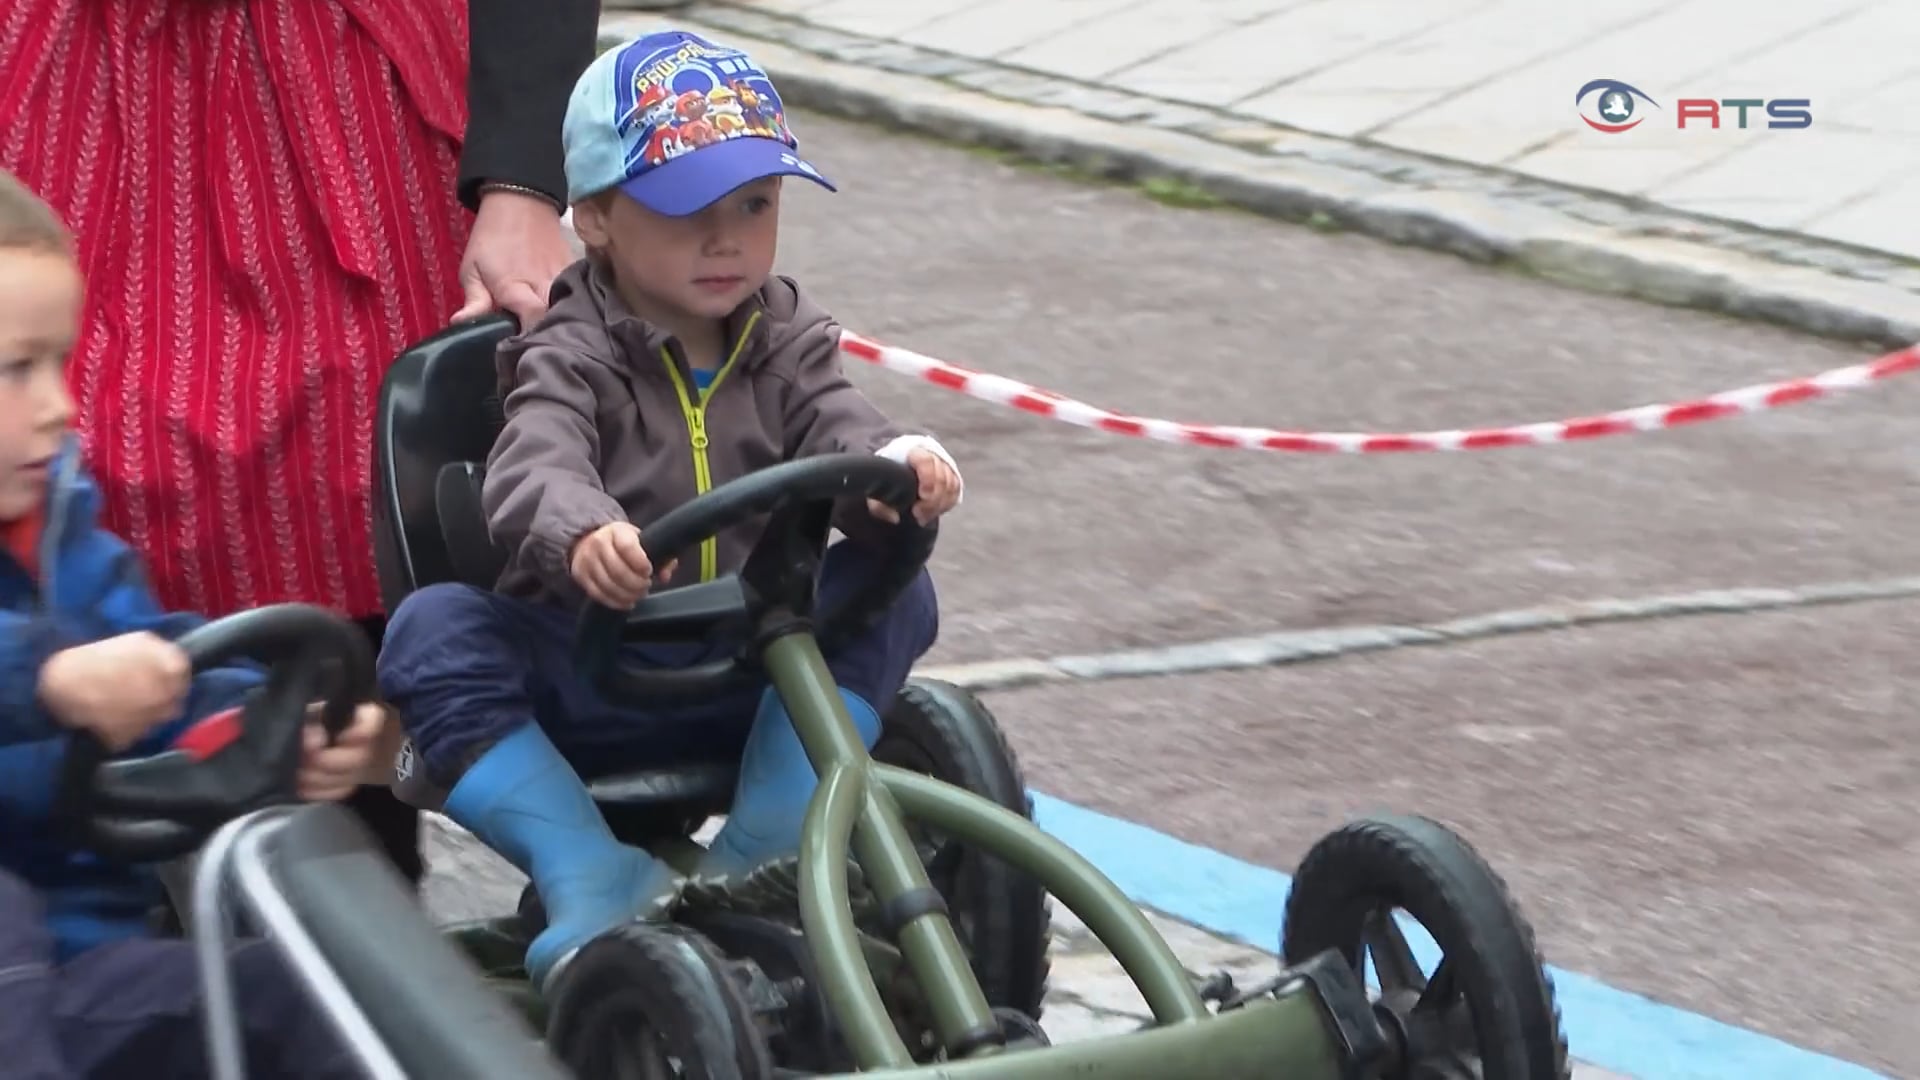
(676, 122)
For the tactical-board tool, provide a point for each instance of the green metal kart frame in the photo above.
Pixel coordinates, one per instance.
(1313, 1022)
(1305, 1027)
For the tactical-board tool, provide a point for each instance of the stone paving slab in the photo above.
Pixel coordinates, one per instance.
(1443, 123)
(1492, 83)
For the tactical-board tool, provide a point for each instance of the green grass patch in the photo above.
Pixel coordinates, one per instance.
(1172, 191)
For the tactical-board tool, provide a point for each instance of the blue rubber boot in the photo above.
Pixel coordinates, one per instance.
(524, 801)
(776, 782)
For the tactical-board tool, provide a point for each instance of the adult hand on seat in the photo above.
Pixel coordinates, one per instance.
(612, 567)
(517, 247)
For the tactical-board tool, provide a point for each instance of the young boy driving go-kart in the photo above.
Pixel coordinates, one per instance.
(84, 647)
(671, 361)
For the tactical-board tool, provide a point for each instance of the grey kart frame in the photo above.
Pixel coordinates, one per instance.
(402, 997)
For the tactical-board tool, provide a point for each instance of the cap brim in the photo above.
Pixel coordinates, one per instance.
(696, 180)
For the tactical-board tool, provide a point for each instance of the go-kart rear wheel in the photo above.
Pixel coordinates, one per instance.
(1487, 1011)
(1001, 915)
(645, 1002)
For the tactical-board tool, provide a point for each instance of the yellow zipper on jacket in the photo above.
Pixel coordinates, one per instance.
(696, 414)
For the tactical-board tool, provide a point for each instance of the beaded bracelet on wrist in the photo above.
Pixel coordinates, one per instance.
(521, 189)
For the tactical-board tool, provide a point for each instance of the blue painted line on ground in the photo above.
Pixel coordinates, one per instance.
(1613, 1029)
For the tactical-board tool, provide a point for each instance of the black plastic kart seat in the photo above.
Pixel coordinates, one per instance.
(439, 415)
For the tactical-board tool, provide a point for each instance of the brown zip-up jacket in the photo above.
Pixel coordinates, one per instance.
(604, 423)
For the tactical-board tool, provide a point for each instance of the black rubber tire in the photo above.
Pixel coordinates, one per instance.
(943, 730)
(665, 978)
(1419, 866)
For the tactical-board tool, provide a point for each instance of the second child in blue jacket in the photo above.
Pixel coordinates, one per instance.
(84, 991)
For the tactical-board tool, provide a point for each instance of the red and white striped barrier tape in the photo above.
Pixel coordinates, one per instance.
(1004, 391)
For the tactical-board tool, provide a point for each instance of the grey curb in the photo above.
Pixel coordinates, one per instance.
(1583, 239)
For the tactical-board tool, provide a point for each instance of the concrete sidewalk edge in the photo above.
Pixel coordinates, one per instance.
(1583, 240)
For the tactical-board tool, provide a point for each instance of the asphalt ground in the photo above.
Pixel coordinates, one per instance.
(1712, 811)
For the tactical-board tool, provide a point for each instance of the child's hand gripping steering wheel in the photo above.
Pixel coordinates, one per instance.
(164, 806)
(780, 575)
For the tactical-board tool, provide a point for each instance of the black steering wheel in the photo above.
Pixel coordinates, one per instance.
(780, 574)
(165, 805)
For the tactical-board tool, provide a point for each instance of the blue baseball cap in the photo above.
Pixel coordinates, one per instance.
(676, 122)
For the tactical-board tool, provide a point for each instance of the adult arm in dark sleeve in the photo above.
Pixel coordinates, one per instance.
(523, 58)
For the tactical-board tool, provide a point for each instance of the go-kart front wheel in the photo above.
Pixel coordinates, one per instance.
(1487, 1011)
(1000, 914)
(644, 1002)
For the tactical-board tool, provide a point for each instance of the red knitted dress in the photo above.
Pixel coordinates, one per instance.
(263, 196)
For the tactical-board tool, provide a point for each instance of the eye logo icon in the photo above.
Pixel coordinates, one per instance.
(1614, 109)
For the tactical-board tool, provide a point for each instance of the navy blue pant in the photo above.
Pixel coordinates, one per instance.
(465, 667)
(132, 1008)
